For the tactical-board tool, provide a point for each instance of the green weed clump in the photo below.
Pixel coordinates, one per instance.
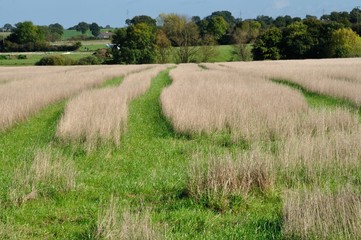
(48, 175)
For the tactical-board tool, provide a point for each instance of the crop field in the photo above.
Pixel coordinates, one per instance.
(241, 150)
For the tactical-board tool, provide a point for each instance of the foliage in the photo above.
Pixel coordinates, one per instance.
(89, 60)
(134, 45)
(142, 19)
(217, 27)
(296, 41)
(82, 27)
(208, 49)
(95, 29)
(26, 32)
(346, 43)
(183, 34)
(55, 60)
(163, 46)
(266, 47)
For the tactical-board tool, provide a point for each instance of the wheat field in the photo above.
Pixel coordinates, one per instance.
(242, 150)
(24, 95)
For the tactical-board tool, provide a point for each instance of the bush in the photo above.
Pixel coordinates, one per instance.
(21, 56)
(89, 60)
(3, 57)
(55, 60)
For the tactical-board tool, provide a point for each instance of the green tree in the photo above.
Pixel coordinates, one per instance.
(183, 34)
(142, 19)
(163, 46)
(95, 29)
(26, 32)
(296, 42)
(346, 43)
(217, 27)
(134, 45)
(82, 27)
(266, 46)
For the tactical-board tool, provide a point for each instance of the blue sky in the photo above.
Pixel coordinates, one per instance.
(114, 12)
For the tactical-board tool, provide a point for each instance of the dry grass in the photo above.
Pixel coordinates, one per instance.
(101, 115)
(128, 225)
(48, 173)
(211, 101)
(218, 179)
(45, 85)
(335, 77)
(318, 215)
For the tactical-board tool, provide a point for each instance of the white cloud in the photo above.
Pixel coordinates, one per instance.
(280, 4)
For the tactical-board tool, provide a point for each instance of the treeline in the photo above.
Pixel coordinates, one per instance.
(183, 39)
(27, 37)
(177, 38)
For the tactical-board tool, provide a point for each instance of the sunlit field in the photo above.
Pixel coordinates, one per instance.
(241, 150)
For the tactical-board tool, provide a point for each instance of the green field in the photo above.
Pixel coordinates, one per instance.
(33, 58)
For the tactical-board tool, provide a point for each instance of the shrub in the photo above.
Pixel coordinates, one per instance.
(3, 57)
(89, 60)
(55, 60)
(21, 56)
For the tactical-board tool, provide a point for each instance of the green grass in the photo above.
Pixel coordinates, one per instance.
(318, 100)
(226, 53)
(149, 169)
(31, 58)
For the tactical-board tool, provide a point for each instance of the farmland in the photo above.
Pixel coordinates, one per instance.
(240, 150)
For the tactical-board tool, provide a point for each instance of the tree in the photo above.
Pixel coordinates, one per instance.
(134, 45)
(8, 27)
(163, 46)
(142, 19)
(226, 15)
(26, 32)
(296, 42)
(217, 27)
(346, 43)
(82, 27)
(183, 34)
(95, 29)
(266, 46)
(245, 35)
(208, 48)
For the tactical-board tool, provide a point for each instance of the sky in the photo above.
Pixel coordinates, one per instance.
(114, 12)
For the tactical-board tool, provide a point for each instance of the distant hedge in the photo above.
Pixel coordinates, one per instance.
(38, 47)
(55, 60)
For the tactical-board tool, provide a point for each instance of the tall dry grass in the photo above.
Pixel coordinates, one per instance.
(335, 77)
(21, 98)
(128, 224)
(211, 101)
(49, 173)
(314, 214)
(101, 115)
(215, 180)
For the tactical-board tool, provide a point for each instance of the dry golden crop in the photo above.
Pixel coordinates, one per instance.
(101, 114)
(32, 88)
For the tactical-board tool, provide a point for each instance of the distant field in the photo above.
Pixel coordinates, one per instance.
(32, 58)
(225, 53)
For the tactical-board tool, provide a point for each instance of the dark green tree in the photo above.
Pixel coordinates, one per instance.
(296, 42)
(82, 27)
(134, 45)
(217, 27)
(266, 46)
(142, 19)
(95, 29)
